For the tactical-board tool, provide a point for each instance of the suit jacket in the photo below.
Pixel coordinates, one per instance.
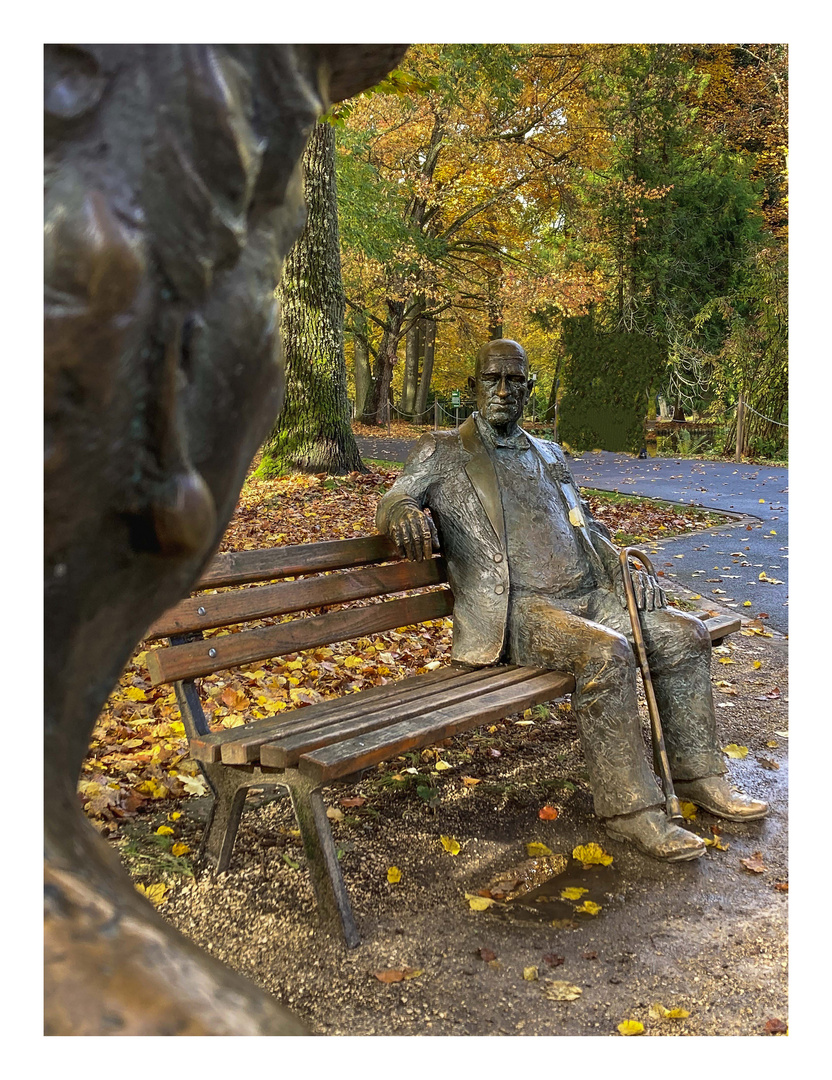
(451, 473)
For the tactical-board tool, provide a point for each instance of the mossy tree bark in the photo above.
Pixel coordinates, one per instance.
(313, 433)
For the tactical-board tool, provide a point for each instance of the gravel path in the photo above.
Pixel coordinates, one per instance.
(707, 936)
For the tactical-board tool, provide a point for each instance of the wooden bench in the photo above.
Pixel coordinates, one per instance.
(306, 748)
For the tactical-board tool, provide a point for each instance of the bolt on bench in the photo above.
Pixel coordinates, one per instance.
(304, 749)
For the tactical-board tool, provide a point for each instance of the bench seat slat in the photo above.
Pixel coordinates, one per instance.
(285, 751)
(250, 646)
(351, 755)
(224, 609)
(266, 564)
(241, 745)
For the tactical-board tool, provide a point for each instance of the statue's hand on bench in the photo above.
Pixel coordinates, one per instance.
(649, 593)
(414, 533)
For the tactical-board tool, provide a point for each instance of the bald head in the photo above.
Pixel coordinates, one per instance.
(501, 383)
(499, 349)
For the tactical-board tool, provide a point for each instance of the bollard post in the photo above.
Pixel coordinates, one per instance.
(740, 418)
(388, 416)
(435, 415)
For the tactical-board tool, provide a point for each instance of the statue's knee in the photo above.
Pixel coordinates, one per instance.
(613, 648)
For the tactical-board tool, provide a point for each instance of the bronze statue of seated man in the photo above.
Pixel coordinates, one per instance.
(537, 582)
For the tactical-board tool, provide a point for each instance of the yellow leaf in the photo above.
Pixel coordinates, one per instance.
(394, 874)
(164, 830)
(757, 664)
(576, 518)
(631, 1027)
(353, 662)
(659, 1012)
(450, 845)
(442, 765)
(592, 855)
(558, 990)
(588, 907)
(175, 815)
(715, 843)
(535, 850)
(572, 893)
(688, 810)
(470, 781)
(135, 694)
(154, 893)
(180, 849)
(762, 576)
(746, 603)
(530, 974)
(734, 751)
(772, 533)
(725, 660)
(762, 500)
(478, 903)
(696, 596)
(772, 743)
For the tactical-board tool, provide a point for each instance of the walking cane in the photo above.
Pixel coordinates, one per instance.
(674, 810)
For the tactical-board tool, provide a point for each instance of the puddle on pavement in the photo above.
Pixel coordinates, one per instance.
(532, 891)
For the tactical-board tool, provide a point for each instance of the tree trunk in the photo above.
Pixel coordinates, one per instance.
(411, 355)
(375, 408)
(361, 364)
(313, 433)
(427, 369)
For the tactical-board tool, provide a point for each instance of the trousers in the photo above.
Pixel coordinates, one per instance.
(590, 636)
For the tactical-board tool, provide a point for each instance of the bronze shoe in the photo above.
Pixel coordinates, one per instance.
(715, 794)
(653, 833)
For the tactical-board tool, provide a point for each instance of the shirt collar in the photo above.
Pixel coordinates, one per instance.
(517, 441)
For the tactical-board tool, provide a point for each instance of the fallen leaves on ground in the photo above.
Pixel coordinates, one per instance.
(589, 907)
(755, 863)
(688, 810)
(591, 855)
(534, 849)
(530, 974)
(553, 960)
(558, 990)
(394, 875)
(393, 975)
(547, 813)
(659, 1012)
(775, 1026)
(155, 893)
(734, 751)
(573, 892)
(451, 845)
(479, 903)
(486, 954)
(631, 1027)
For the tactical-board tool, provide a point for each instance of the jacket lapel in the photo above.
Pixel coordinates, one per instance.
(481, 473)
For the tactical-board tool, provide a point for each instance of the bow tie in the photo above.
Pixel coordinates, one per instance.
(511, 442)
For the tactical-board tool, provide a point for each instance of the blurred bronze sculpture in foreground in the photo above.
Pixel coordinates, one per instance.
(537, 582)
(172, 197)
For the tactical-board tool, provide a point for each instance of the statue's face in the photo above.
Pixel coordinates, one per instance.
(502, 389)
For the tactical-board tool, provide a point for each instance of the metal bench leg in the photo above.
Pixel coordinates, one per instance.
(224, 816)
(324, 869)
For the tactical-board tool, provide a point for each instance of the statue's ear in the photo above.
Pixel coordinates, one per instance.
(472, 385)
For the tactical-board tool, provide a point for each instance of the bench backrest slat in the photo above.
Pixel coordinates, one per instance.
(232, 650)
(207, 611)
(267, 564)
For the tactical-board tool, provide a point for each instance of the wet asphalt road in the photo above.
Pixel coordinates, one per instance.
(723, 565)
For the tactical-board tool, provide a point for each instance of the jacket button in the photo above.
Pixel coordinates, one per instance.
(498, 557)
(500, 589)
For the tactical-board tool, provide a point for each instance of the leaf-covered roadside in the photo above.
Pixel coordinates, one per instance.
(138, 753)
